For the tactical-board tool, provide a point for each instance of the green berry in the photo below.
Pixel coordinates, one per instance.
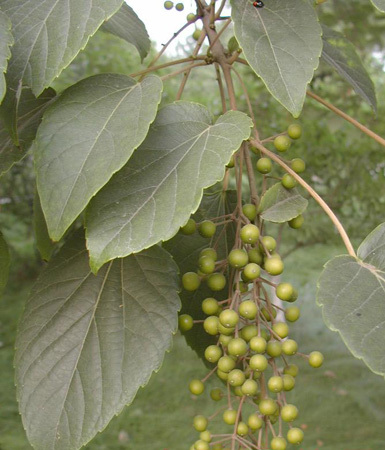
(264, 165)
(191, 281)
(200, 423)
(278, 443)
(238, 258)
(291, 369)
(274, 265)
(228, 331)
(281, 329)
(207, 228)
(189, 228)
(251, 271)
(249, 234)
(258, 344)
(210, 325)
(190, 17)
(213, 353)
(226, 364)
(196, 387)
(242, 429)
(288, 181)
(269, 314)
(243, 287)
(275, 384)
(237, 347)
(197, 34)
(258, 362)
(168, 5)
(206, 265)
(267, 407)
(297, 222)
(292, 313)
(284, 291)
(236, 377)
(230, 416)
(229, 318)
(249, 331)
(288, 382)
(295, 436)
(289, 347)
(210, 306)
(216, 394)
(216, 281)
(248, 309)
(316, 359)
(255, 256)
(210, 252)
(205, 436)
(298, 165)
(282, 143)
(254, 422)
(201, 445)
(179, 6)
(249, 388)
(294, 130)
(289, 413)
(222, 375)
(185, 322)
(269, 242)
(274, 349)
(250, 211)
(224, 339)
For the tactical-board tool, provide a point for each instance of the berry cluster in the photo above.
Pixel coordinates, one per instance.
(253, 346)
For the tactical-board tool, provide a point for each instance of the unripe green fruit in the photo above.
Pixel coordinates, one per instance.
(168, 5)
(213, 353)
(206, 265)
(249, 388)
(238, 258)
(255, 256)
(197, 34)
(284, 291)
(190, 17)
(250, 211)
(224, 340)
(206, 436)
(196, 387)
(210, 252)
(269, 314)
(248, 309)
(291, 369)
(207, 229)
(298, 165)
(295, 436)
(226, 363)
(281, 329)
(288, 382)
(225, 330)
(316, 359)
(243, 287)
(249, 234)
(274, 349)
(294, 296)
(210, 325)
(264, 165)
(242, 429)
(282, 143)
(275, 384)
(251, 271)
(200, 423)
(216, 281)
(297, 222)
(289, 413)
(238, 391)
(237, 347)
(231, 163)
(264, 333)
(267, 407)
(248, 332)
(230, 416)
(201, 445)
(290, 347)
(236, 377)
(288, 181)
(292, 313)
(189, 228)
(191, 281)
(258, 362)
(185, 322)
(258, 344)
(294, 130)
(216, 394)
(222, 375)
(179, 6)
(254, 422)
(228, 318)
(278, 443)
(274, 265)
(269, 242)
(210, 306)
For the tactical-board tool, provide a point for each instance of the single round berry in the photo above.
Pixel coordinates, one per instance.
(205, 436)
(190, 17)
(284, 291)
(249, 331)
(201, 445)
(210, 325)
(275, 384)
(255, 256)
(197, 34)
(206, 265)
(228, 331)
(264, 165)
(292, 313)
(250, 211)
(278, 443)
(282, 143)
(254, 422)
(249, 234)
(289, 413)
(288, 382)
(213, 353)
(168, 5)
(207, 229)
(288, 181)
(289, 347)
(230, 416)
(242, 429)
(243, 287)
(236, 377)
(196, 387)
(222, 375)
(248, 309)
(179, 6)
(191, 281)
(210, 306)
(237, 347)
(224, 339)
(216, 394)
(258, 362)
(281, 329)
(269, 314)
(226, 364)
(185, 322)
(274, 265)
(210, 252)
(294, 296)
(228, 318)
(291, 369)
(249, 388)
(264, 333)
(297, 222)
(269, 242)
(295, 436)
(298, 165)
(189, 228)
(274, 349)
(216, 281)
(294, 130)
(267, 406)
(316, 359)
(238, 258)
(251, 271)
(200, 423)
(258, 344)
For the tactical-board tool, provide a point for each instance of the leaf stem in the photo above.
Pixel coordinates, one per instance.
(168, 64)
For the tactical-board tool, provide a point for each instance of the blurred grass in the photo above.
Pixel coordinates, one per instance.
(342, 405)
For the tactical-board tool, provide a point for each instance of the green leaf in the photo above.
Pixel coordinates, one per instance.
(279, 204)
(127, 25)
(20, 116)
(6, 41)
(379, 4)
(352, 294)
(49, 34)
(185, 251)
(341, 54)
(87, 343)
(282, 43)
(163, 182)
(43, 241)
(86, 136)
(4, 262)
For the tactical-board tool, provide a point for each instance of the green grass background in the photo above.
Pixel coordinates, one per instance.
(342, 405)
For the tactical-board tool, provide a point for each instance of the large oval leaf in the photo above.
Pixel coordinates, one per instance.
(87, 135)
(49, 34)
(341, 54)
(43, 242)
(86, 343)
(163, 182)
(6, 40)
(4, 262)
(127, 25)
(282, 43)
(379, 4)
(281, 205)
(352, 294)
